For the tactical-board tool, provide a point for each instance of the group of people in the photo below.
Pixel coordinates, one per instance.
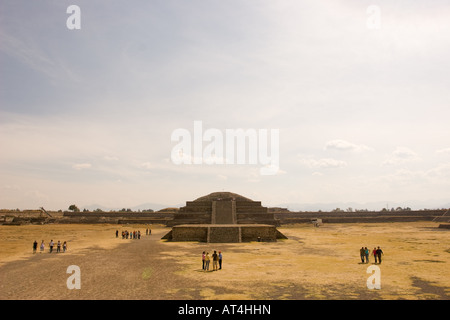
(129, 234)
(51, 244)
(365, 253)
(132, 234)
(216, 259)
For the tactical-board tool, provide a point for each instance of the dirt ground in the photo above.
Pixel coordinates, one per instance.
(314, 263)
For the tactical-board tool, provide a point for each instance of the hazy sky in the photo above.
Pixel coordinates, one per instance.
(359, 91)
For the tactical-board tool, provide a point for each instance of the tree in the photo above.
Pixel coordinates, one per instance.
(74, 208)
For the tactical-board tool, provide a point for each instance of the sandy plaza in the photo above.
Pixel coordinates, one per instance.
(314, 263)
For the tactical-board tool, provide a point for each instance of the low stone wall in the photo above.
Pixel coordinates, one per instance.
(224, 233)
(190, 233)
(362, 217)
(38, 217)
(262, 233)
(117, 214)
(116, 217)
(142, 221)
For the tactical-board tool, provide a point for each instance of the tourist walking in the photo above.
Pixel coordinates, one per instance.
(64, 246)
(379, 253)
(58, 246)
(42, 247)
(34, 246)
(215, 257)
(51, 244)
(374, 252)
(203, 260)
(220, 260)
(207, 261)
(367, 252)
(362, 254)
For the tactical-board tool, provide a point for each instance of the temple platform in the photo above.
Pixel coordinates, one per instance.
(224, 233)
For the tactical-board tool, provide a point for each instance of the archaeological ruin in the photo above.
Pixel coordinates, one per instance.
(223, 217)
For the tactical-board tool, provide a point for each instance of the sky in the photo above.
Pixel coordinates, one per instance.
(357, 92)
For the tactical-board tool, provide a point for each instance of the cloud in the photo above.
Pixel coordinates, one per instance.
(343, 145)
(404, 153)
(437, 174)
(81, 166)
(441, 172)
(11, 187)
(323, 163)
(443, 151)
(401, 155)
(111, 158)
(147, 165)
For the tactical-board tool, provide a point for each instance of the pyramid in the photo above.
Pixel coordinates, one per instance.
(223, 217)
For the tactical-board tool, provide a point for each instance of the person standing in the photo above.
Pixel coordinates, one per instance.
(207, 261)
(362, 254)
(51, 244)
(42, 247)
(203, 260)
(367, 252)
(34, 246)
(374, 252)
(379, 253)
(58, 246)
(220, 260)
(215, 257)
(64, 246)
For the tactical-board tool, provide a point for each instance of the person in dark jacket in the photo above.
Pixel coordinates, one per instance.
(379, 253)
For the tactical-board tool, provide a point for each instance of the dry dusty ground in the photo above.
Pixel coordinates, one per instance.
(314, 263)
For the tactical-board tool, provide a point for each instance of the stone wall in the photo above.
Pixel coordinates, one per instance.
(362, 217)
(260, 232)
(188, 233)
(224, 233)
